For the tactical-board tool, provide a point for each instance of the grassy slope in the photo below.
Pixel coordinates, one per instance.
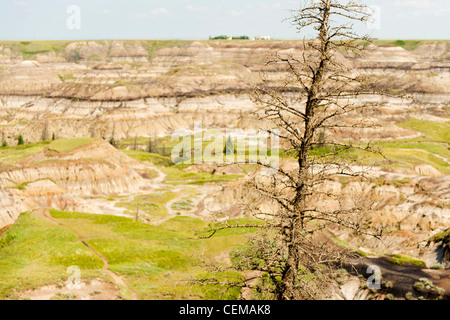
(35, 252)
(68, 145)
(175, 173)
(29, 49)
(438, 131)
(429, 148)
(12, 155)
(155, 261)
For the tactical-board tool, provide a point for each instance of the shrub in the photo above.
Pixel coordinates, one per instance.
(409, 296)
(20, 140)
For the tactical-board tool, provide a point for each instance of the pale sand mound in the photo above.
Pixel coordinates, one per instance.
(93, 290)
(431, 50)
(427, 170)
(386, 57)
(95, 168)
(108, 66)
(28, 77)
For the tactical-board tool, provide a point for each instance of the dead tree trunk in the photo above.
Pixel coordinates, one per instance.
(317, 93)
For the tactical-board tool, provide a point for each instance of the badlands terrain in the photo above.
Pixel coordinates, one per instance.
(93, 184)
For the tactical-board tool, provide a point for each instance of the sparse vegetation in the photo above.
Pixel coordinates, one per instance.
(182, 205)
(35, 252)
(95, 58)
(176, 175)
(156, 159)
(154, 254)
(11, 155)
(20, 140)
(69, 145)
(443, 238)
(425, 287)
(402, 259)
(152, 205)
(66, 76)
(405, 44)
(438, 131)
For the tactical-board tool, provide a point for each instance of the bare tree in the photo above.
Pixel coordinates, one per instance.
(292, 257)
(45, 133)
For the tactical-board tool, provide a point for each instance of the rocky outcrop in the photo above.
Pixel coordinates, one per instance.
(97, 168)
(387, 57)
(28, 78)
(11, 207)
(127, 87)
(60, 179)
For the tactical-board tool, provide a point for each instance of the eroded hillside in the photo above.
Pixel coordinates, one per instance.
(89, 112)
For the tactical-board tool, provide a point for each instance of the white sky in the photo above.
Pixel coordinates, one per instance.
(199, 19)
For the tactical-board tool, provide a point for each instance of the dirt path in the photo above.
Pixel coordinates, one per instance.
(45, 213)
(158, 183)
(197, 203)
(161, 176)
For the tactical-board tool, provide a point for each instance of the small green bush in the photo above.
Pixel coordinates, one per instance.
(409, 296)
(390, 296)
(20, 140)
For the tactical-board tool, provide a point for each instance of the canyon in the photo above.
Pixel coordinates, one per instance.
(87, 111)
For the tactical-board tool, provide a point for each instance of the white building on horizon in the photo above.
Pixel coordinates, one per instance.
(261, 38)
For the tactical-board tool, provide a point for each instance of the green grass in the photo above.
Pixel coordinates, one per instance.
(247, 168)
(397, 158)
(154, 158)
(182, 205)
(23, 185)
(30, 48)
(405, 44)
(197, 147)
(153, 205)
(417, 143)
(95, 58)
(417, 157)
(438, 131)
(66, 76)
(36, 252)
(13, 154)
(144, 254)
(155, 261)
(151, 174)
(443, 238)
(344, 244)
(400, 260)
(176, 175)
(68, 145)
(153, 45)
(401, 152)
